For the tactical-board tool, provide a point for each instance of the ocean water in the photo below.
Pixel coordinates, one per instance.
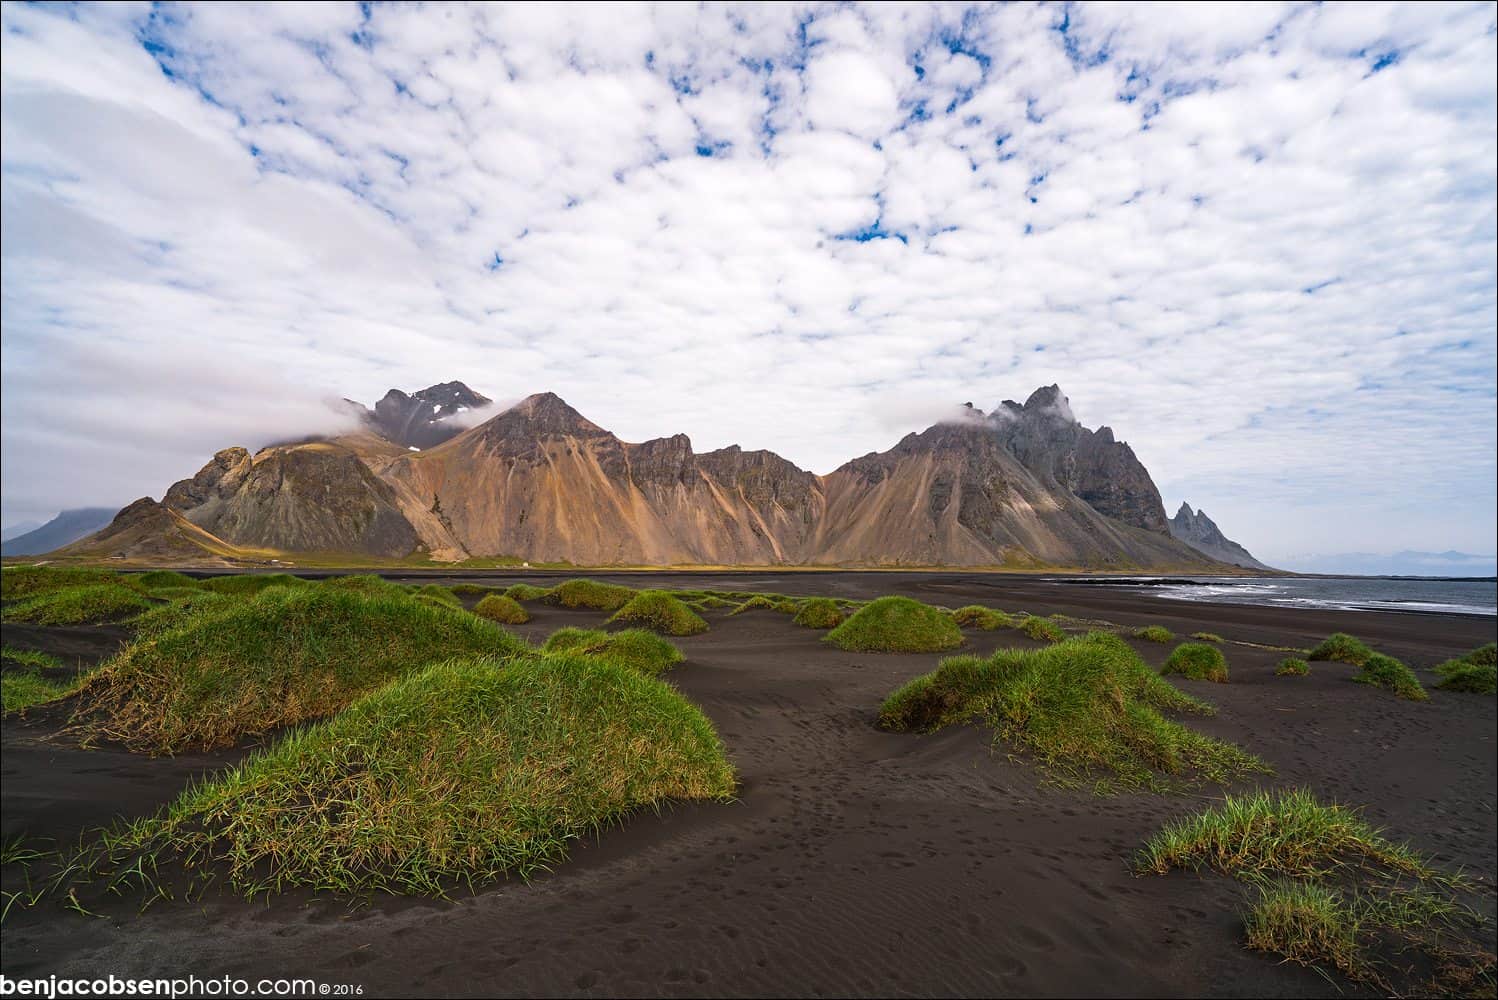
(1410, 594)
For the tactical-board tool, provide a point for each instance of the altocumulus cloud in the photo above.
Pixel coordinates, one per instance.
(1257, 241)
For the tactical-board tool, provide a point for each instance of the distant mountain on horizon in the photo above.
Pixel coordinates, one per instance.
(19, 528)
(68, 526)
(1406, 563)
(1025, 486)
(1200, 532)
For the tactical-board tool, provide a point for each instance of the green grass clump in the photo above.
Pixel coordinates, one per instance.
(636, 648)
(1334, 892)
(249, 584)
(896, 625)
(783, 605)
(20, 582)
(1308, 923)
(437, 594)
(589, 594)
(1040, 629)
(1207, 636)
(1342, 648)
(474, 589)
(1390, 674)
(1088, 709)
(30, 658)
(658, 610)
(164, 617)
(1198, 662)
(1483, 656)
(1475, 673)
(176, 593)
(526, 592)
(85, 604)
(31, 678)
(364, 583)
(1286, 833)
(1154, 633)
(156, 579)
(712, 602)
(288, 655)
(502, 609)
(459, 772)
(1292, 666)
(1321, 926)
(21, 689)
(819, 612)
(978, 617)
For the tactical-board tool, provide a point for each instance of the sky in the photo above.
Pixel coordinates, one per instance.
(1256, 240)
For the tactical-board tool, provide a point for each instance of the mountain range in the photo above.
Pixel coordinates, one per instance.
(1025, 486)
(66, 527)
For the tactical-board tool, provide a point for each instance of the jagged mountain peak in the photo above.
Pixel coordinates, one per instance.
(547, 412)
(421, 419)
(1200, 532)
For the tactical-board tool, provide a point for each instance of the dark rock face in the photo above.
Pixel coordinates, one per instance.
(420, 419)
(1199, 531)
(1048, 441)
(64, 529)
(310, 498)
(767, 482)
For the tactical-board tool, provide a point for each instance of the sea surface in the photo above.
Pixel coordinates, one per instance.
(1348, 593)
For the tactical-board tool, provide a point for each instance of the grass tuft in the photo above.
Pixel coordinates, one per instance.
(20, 582)
(249, 584)
(288, 655)
(712, 602)
(32, 677)
(83, 604)
(896, 625)
(1308, 923)
(366, 583)
(1154, 633)
(819, 612)
(636, 648)
(1087, 708)
(783, 605)
(502, 609)
(1287, 833)
(158, 579)
(1390, 674)
(1207, 636)
(526, 592)
(1341, 648)
(1475, 673)
(437, 594)
(978, 617)
(589, 594)
(658, 610)
(463, 771)
(1292, 666)
(474, 589)
(1198, 662)
(1040, 629)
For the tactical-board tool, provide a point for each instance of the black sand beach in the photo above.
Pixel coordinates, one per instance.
(856, 861)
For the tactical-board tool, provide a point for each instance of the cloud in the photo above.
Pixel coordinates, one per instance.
(1257, 243)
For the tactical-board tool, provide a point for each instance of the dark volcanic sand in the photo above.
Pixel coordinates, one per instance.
(856, 861)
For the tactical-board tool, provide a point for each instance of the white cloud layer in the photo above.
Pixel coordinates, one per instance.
(1258, 241)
